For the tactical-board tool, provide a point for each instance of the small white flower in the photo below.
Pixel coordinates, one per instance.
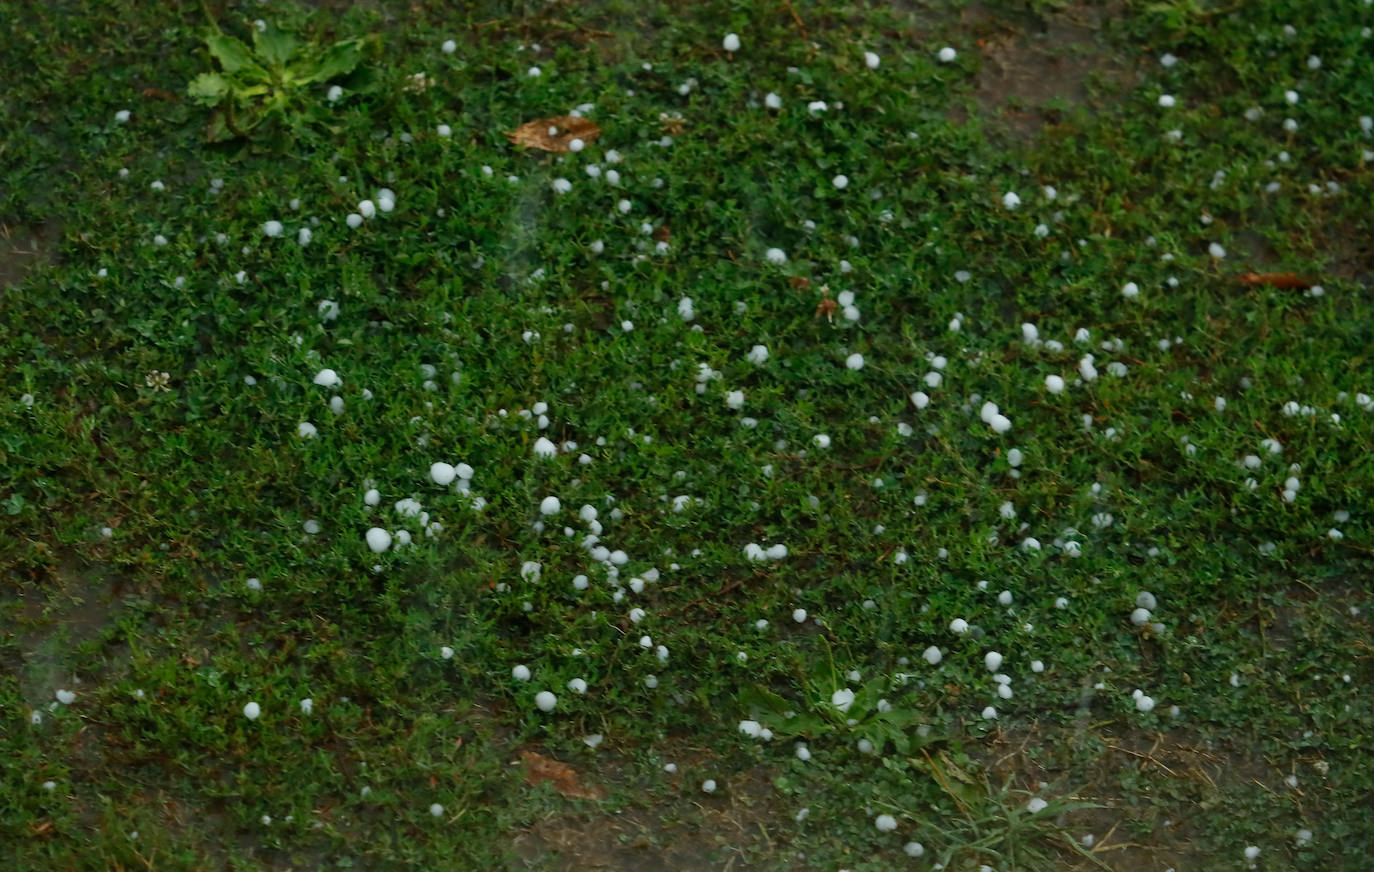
(251, 711)
(731, 42)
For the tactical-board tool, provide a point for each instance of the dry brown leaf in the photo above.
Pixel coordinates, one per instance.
(539, 768)
(566, 128)
(1278, 280)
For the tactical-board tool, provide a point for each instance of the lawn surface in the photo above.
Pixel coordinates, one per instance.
(916, 459)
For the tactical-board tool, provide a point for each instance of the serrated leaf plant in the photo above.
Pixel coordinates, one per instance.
(263, 92)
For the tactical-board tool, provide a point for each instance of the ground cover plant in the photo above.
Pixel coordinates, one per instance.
(834, 436)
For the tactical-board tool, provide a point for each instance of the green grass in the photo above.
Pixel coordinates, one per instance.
(134, 516)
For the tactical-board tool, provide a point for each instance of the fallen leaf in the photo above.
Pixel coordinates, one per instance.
(566, 128)
(799, 282)
(539, 768)
(1277, 280)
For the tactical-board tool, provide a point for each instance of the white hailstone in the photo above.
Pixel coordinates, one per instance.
(534, 72)
(840, 182)
(735, 400)
(449, 47)
(1251, 852)
(575, 145)
(988, 412)
(1167, 60)
(731, 42)
(544, 448)
(312, 526)
(752, 729)
(885, 823)
(913, 849)
(1000, 424)
(933, 656)
(1036, 805)
(821, 440)
(436, 809)
(1054, 384)
(378, 540)
(920, 399)
(66, 697)
(992, 660)
(550, 506)
(354, 220)
(757, 355)
(1007, 510)
(442, 473)
(775, 256)
(306, 430)
(958, 625)
(307, 706)
(372, 497)
(446, 653)
(1167, 101)
(1140, 617)
(871, 60)
(578, 685)
(251, 711)
(842, 699)
(1011, 200)
(272, 228)
(1146, 600)
(1130, 289)
(775, 552)
(708, 786)
(367, 208)
(545, 700)
(799, 615)
(334, 94)
(562, 186)
(122, 116)
(854, 361)
(815, 107)
(932, 379)
(1086, 368)
(1216, 251)
(947, 55)
(1004, 598)
(328, 378)
(989, 714)
(1037, 666)
(1144, 703)
(803, 752)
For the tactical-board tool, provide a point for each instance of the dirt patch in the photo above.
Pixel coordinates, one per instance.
(729, 830)
(1110, 765)
(23, 247)
(1033, 68)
